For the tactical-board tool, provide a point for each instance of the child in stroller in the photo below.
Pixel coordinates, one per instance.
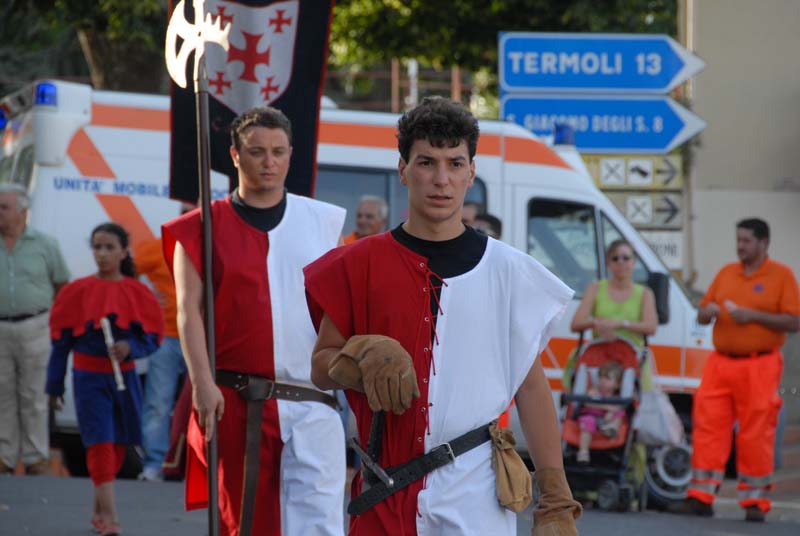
(603, 417)
(604, 377)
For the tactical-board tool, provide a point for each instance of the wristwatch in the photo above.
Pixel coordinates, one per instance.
(626, 323)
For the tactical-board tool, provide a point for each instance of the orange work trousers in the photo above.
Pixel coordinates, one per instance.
(743, 390)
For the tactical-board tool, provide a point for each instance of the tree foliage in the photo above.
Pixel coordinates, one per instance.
(122, 40)
(465, 32)
(31, 48)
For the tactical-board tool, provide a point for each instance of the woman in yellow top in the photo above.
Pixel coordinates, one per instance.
(617, 307)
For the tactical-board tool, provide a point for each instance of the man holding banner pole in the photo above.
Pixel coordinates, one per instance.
(281, 445)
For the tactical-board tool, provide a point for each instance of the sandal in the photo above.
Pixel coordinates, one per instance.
(97, 525)
(111, 530)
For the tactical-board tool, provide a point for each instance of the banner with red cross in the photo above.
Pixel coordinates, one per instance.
(277, 55)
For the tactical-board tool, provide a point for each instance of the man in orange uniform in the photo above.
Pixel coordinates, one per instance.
(755, 302)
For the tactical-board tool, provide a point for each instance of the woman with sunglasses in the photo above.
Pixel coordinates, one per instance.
(617, 307)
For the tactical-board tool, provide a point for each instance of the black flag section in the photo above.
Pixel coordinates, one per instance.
(277, 57)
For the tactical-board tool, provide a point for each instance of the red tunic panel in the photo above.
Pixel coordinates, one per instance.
(377, 286)
(244, 343)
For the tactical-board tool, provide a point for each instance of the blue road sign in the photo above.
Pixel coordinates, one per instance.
(607, 124)
(590, 62)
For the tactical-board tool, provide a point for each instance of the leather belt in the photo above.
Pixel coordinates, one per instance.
(255, 390)
(20, 318)
(258, 388)
(751, 354)
(405, 474)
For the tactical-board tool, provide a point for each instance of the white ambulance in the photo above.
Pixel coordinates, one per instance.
(90, 156)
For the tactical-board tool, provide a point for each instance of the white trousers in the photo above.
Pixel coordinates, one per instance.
(313, 469)
(24, 351)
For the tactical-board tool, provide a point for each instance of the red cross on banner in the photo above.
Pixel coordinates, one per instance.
(219, 83)
(249, 56)
(268, 89)
(279, 21)
(223, 17)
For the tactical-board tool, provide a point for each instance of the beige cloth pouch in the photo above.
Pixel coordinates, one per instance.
(513, 477)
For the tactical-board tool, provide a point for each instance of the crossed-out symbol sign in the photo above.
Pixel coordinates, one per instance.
(612, 171)
(639, 209)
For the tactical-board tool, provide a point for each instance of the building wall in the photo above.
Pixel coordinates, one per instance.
(748, 161)
(716, 214)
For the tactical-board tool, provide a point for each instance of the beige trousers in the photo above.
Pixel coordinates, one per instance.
(24, 351)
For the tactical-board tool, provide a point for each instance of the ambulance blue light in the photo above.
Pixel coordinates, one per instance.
(563, 134)
(46, 93)
(3, 120)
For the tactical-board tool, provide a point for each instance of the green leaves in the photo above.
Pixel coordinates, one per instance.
(464, 32)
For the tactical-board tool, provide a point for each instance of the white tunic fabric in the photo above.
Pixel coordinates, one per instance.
(494, 322)
(308, 229)
(313, 457)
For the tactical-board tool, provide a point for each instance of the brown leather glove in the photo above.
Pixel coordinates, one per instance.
(379, 367)
(556, 512)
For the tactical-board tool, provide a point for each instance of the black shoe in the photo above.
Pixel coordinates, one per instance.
(753, 513)
(692, 507)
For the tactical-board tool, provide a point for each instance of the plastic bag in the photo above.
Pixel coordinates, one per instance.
(656, 421)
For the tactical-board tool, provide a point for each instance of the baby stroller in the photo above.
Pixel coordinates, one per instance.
(614, 478)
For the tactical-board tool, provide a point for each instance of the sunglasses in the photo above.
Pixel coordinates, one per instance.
(623, 258)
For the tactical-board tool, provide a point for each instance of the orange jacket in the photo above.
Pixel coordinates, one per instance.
(149, 260)
(771, 289)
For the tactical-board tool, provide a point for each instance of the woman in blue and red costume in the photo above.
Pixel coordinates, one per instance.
(108, 418)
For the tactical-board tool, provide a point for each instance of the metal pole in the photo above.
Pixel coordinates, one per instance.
(204, 176)
(455, 83)
(395, 85)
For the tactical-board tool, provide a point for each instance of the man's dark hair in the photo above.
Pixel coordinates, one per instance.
(493, 221)
(441, 122)
(758, 226)
(262, 116)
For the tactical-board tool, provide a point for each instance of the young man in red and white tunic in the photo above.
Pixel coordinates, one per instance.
(434, 328)
(262, 238)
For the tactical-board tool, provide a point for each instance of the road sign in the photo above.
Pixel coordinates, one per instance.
(635, 172)
(668, 245)
(650, 210)
(606, 124)
(590, 62)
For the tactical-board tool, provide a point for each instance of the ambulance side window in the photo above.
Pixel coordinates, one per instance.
(611, 233)
(562, 236)
(22, 175)
(477, 194)
(344, 186)
(6, 166)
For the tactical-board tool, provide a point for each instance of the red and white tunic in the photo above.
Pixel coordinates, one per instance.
(492, 323)
(263, 327)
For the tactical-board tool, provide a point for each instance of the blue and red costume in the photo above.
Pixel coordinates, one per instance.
(108, 419)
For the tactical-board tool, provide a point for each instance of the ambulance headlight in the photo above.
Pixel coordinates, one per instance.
(46, 93)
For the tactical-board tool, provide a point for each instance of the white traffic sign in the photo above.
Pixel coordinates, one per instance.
(650, 210)
(668, 245)
(636, 172)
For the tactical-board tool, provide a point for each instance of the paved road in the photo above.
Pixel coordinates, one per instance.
(50, 506)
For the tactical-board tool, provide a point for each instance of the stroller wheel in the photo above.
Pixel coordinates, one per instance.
(608, 495)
